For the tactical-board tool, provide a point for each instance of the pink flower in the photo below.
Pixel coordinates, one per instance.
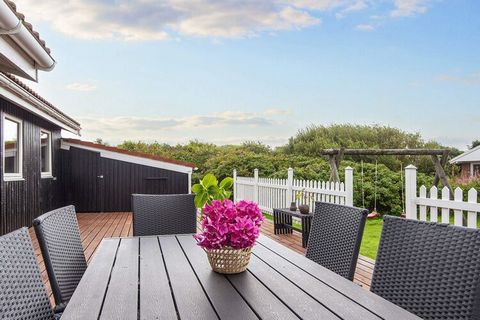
(225, 224)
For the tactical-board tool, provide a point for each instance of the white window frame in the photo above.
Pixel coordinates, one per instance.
(19, 175)
(471, 168)
(46, 174)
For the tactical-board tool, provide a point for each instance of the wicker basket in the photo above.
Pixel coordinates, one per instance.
(228, 260)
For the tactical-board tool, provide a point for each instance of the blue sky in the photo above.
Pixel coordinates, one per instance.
(228, 71)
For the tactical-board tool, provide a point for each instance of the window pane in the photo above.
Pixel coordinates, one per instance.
(11, 134)
(45, 151)
(476, 170)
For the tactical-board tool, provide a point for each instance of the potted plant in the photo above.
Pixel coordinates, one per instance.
(304, 208)
(293, 206)
(229, 230)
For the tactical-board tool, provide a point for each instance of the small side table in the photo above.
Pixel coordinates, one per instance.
(282, 223)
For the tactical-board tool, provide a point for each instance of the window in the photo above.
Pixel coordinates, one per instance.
(12, 148)
(46, 153)
(476, 170)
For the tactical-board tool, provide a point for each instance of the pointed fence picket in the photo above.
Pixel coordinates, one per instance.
(272, 193)
(465, 213)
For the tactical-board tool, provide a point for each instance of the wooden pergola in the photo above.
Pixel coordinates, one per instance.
(439, 158)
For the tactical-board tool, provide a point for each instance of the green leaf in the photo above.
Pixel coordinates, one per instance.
(197, 188)
(227, 194)
(209, 180)
(200, 200)
(226, 183)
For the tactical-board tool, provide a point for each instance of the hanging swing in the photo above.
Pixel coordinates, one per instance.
(374, 213)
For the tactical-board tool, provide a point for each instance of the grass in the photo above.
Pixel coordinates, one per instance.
(371, 235)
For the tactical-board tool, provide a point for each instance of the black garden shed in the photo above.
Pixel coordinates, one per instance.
(99, 178)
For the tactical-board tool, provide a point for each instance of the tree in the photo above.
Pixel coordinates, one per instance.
(100, 141)
(475, 143)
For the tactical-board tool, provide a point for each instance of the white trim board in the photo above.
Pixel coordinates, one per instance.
(25, 100)
(130, 158)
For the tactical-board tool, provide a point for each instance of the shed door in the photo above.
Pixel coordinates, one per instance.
(87, 180)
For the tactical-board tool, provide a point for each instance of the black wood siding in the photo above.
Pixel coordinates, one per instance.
(89, 193)
(22, 201)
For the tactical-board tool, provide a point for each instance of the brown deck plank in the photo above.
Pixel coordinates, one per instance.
(96, 226)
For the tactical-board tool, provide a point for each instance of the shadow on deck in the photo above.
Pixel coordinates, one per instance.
(96, 226)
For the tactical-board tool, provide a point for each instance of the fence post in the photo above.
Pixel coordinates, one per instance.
(348, 186)
(411, 192)
(189, 182)
(289, 187)
(255, 186)
(234, 185)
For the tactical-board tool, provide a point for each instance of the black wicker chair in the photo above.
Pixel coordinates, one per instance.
(335, 237)
(430, 269)
(59, 238)
(22, 292)
(155, 214)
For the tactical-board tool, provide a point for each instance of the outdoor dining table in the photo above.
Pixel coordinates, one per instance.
(169, 277)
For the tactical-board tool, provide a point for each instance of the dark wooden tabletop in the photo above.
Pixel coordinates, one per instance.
(295, 213)
(169, 277)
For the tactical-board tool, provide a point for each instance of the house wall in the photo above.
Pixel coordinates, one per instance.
(96, 184)
(465, 170)
(22, 201)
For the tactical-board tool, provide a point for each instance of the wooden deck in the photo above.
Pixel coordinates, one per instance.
(96, 226)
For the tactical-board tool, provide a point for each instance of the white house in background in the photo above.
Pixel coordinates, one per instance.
(469, 162)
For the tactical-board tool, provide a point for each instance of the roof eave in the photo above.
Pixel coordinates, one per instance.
(458, 159)
(26, 100)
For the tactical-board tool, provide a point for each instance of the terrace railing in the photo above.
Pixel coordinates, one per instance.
(272, 193)
(461, 210)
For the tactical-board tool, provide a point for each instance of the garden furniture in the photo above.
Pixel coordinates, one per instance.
(58, 236)
(283, 223)
(155, 214)
(430, 269)
(335, 237)
(22, 292)
(169, 277)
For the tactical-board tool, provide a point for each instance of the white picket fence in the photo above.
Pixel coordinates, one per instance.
(279, 193)
(426, 206)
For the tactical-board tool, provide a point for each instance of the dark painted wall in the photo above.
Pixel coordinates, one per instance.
(83, 186)
(22, 201)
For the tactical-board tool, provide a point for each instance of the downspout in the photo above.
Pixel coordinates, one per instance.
(13, 27)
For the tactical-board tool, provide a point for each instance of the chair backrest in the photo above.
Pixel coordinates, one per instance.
(22, 292)
(59, 238)
(430, 269)
(155, 214)
(335, 237)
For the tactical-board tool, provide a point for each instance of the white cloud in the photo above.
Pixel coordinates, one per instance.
(158, 20)
(471, 79)
(153, 20)
(406, 8)
(355, 6)
(221, 127)
(365, 27)
(277, 112)
(76, 86)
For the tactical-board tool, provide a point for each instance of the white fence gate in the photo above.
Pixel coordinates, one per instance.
(426, 205)
(279, 193)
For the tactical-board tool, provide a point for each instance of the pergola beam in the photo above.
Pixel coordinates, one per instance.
(337, 155)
